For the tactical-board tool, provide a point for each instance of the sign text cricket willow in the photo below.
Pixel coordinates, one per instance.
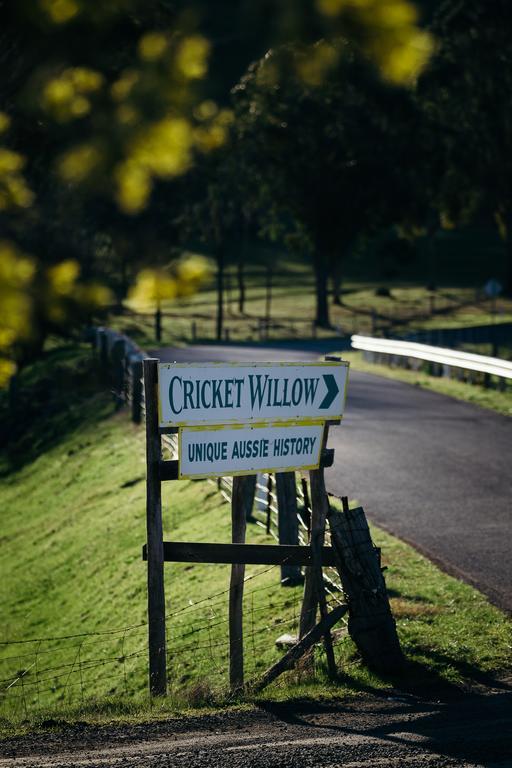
(233, 393)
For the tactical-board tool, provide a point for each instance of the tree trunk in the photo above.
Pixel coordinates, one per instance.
(241, 277)
(336, 284)
(220, 292)
(321, 288)
(508, 256)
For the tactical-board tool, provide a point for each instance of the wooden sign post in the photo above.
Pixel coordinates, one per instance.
(155, 545)
(238, 419)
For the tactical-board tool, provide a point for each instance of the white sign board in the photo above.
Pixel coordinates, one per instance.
(216, 451)
(227, 393)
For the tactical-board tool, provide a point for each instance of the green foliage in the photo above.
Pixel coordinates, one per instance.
(464, 93)
(311, 153)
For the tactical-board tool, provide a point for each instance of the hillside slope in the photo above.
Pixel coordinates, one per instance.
(73, 584)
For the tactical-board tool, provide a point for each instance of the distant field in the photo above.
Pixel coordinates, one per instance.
(73, 585)
(365, 309)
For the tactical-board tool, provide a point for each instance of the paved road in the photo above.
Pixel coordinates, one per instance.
(435, 471)
(390, 732)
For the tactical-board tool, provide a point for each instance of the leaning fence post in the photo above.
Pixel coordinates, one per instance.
(288, 525)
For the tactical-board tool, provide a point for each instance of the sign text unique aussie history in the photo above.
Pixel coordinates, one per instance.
(233, 393)
(209, 452)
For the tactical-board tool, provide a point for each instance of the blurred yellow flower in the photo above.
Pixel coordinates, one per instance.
(10, 161)
(78, 163)
(16, 273)
(133, 187)
(93, 296)
(206, 110)
(14, 191)
(62, 277)
(126, 114)
(64, 97)
(5, 122)
(192, 56)
(152, 46)
(164, 148)
(387, 30)
(16, 269)
(402, 63)
(85, 80)
(7, 369)
(210, 138)
(191, 272)
(60, 11)
(122, 87)
(314, 65)
(151, 287)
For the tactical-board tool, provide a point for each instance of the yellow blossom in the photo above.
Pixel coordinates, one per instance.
(152, 46)
(151, 287)
(122, 87)
(133, 187)
(60, 11)
(191, 272)
(192, 57)
(62, 277)
(78, 163)
(313, 66)
(7, 370)
(5, 122)
(206, 110)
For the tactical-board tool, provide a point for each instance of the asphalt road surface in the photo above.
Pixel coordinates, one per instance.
(385, 732)
(435, 471)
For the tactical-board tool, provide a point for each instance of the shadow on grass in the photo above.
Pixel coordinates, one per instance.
(54, 397)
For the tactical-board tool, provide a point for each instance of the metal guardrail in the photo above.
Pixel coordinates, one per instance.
(493, 366)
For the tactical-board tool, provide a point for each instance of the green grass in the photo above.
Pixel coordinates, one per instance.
(492, 399)
(73, 523)
(407, 307)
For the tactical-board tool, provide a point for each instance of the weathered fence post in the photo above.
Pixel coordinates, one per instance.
(155, 547)
(236, 586)
(288, 525)
(269, 503)
(117, 370)
(136, 390)
(158, 324)
(102, 350)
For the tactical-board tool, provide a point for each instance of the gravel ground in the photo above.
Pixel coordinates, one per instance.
(473, 730)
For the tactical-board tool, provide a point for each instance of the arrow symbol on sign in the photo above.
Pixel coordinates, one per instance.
(332, 391)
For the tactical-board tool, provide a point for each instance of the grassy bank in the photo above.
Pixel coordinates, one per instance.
(73, 590)
(492, 399)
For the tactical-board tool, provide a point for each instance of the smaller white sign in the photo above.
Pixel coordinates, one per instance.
(217, 451)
